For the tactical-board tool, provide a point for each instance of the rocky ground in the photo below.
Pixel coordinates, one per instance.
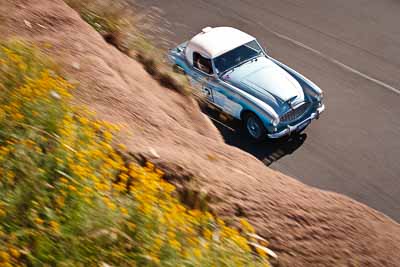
(305, 226)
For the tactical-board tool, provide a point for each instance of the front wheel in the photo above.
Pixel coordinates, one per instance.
(254, 127)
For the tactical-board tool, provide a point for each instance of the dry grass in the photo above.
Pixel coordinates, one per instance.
(115, 21)
(163, 73)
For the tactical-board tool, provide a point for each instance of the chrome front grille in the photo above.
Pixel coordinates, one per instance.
(296, 113)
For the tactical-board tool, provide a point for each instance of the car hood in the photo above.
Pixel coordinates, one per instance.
(264, 79)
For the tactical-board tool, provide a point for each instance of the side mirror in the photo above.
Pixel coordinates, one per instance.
(265, 50)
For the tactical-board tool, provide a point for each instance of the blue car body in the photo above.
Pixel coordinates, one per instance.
(281, 98)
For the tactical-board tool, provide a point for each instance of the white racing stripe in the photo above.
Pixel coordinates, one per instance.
(365, 76)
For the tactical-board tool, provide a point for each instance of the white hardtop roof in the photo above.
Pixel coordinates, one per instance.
(213, 42)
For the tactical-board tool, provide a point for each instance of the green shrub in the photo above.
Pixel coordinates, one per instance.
(68, 199)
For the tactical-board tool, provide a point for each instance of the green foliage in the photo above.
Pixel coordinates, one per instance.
(68, 199)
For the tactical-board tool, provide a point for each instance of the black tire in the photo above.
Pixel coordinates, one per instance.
(254, 127)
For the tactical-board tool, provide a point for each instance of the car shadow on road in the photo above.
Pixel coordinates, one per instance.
(268, 151)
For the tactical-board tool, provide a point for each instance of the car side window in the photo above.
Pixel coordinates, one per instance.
(202, 63)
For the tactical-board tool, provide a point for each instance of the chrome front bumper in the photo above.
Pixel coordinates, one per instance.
(299, 126)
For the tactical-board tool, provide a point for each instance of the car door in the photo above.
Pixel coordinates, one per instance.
(226, 99)
(210, 87)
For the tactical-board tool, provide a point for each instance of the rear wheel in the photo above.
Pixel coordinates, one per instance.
(254, 127)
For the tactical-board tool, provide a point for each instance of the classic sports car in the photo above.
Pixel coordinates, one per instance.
(238, 76)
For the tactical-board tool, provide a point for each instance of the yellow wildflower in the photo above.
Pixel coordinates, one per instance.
(17, 116)
(160, 172)
(149, 165)
(10, 177)
(108, 136)
(60, 201)
(197, 253)
(124, 177)
(261, 252)
(175, 244)
(14, 252)
(4, 256)
(207, 234)
(54, 225)
(131, 226)
(124, 211)
(30, 143)
(83, 120)
(38, 221)
(155, 259)
(246, 226)
(72, 188)
(120, 146)
(109, 203)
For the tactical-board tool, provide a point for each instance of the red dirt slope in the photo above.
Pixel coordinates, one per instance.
(306, 226)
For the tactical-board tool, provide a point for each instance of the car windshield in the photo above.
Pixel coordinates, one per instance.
(237, 56)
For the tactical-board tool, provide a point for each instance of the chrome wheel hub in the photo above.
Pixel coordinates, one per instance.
(253, 127)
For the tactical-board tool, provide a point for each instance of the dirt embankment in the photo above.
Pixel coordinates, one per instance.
(305, 226)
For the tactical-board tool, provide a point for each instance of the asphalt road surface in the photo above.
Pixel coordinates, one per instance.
(351, 49)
